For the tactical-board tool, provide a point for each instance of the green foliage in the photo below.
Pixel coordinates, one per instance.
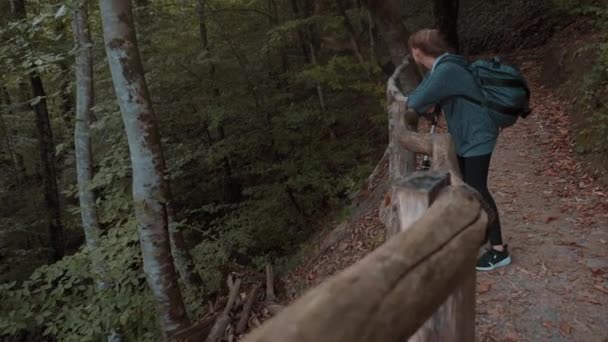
(594, 135)
(253, 159)
(63, 300)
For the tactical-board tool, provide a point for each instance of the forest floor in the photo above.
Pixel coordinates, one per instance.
(555, 219)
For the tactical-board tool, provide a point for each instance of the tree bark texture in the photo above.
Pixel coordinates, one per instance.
(47, 153)
(445, 13)
(404, 281)
(85, 100)
(150, 190)
(400, 120)
(8, 137)
(181, 254)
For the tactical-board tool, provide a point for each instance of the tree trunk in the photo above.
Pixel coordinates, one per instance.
(179, 249)
(351, 31)
(320, 92)
(67, 102)
(231, 188)
(65, 93)
(8, 137)
(150, 189)
(446, 20)
(387, 17)
(49, 173)
(301, 36)
(47, 151)
(9, 146)
(85, 99)
(202, 24)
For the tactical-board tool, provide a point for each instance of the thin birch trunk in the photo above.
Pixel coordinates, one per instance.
(150, 189)
(85, 100)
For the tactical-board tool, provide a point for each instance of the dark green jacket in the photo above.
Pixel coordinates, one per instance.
(471, 126)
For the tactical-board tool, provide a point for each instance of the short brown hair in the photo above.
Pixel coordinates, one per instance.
(430, 41)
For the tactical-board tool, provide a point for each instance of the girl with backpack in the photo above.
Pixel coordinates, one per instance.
(450, 85)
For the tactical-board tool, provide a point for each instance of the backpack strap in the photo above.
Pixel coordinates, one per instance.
(523, 112)
(510, 83)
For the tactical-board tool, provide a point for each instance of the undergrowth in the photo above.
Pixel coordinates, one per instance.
(593, 137)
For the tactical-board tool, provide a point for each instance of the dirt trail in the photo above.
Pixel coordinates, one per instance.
(555, 220)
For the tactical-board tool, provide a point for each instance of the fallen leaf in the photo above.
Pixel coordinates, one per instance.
(484, 286)
(511, 336)
(565, 328)
(550, 219)
(601, 288)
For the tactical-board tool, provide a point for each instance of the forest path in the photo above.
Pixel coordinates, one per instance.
(554, 218)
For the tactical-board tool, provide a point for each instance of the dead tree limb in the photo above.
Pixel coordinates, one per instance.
(218, 329)
(271, 300)
(197, 331)
(242, 324)
(270, 296)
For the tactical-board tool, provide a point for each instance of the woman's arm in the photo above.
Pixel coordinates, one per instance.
(436, 87)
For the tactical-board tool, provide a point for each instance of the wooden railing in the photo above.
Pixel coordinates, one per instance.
(419, 285)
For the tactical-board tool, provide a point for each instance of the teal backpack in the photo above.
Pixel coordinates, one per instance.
(506, 91)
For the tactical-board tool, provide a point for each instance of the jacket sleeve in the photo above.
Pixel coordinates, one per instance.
(435, 88)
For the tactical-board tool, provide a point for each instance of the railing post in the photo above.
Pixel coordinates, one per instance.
(407, 201)
(401, 161)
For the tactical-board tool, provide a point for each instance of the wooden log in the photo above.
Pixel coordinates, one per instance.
(270, 301)
(219, 328)
(400, 119)
(444, 157)
(409, 198)
(270, 296)
(242, 324)
(455, 319)
(387, 295)
(417, 142)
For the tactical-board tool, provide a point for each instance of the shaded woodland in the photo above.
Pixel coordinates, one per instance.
(151, 149)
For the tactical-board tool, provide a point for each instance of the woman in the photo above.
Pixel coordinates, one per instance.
(450, 85)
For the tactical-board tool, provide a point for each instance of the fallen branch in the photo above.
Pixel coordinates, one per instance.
(271, 299)
(219, 328)
(197, 331)
(242, 324)
(270, 296)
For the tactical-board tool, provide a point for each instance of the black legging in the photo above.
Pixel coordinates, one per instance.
(475, 173)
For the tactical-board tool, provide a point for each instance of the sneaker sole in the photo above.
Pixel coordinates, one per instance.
(502, 263)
